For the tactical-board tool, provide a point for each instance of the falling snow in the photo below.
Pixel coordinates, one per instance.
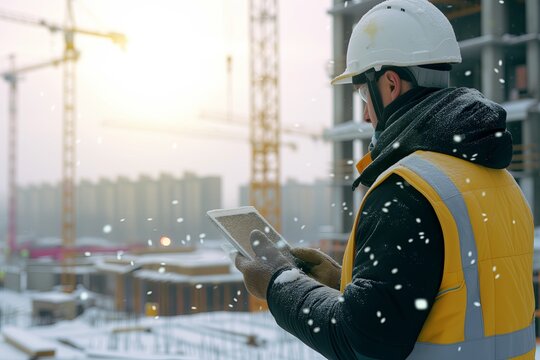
(420, 304)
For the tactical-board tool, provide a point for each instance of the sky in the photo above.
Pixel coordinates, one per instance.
(172, 76)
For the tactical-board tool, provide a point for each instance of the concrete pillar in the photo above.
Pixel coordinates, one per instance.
(493, 25)
(343, 112)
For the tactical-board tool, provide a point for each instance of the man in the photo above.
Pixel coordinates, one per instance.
(439, 261)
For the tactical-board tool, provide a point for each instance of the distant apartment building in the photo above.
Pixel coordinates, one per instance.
(124, 210)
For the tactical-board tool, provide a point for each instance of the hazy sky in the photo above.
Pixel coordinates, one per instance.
(174, 69)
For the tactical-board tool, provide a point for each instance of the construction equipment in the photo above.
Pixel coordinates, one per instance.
(179, 130)
(265, 127)
(12, 77)
(71, 55)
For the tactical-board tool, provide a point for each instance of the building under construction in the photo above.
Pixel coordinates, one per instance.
(500, 47)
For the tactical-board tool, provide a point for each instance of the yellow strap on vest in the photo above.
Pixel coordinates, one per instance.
(348, 257)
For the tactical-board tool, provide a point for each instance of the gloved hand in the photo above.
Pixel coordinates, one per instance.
(258, 272)
(318, 266)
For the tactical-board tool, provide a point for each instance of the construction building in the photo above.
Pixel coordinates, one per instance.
(500, 47)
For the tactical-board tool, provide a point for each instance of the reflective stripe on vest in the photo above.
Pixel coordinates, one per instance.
(475, 345)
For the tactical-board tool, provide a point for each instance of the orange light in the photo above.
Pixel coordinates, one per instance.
(165, 241)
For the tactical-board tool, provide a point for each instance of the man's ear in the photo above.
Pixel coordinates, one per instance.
(393, 82)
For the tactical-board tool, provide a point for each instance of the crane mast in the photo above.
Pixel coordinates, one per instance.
(68, 155)
(12, 157)
(265, 128)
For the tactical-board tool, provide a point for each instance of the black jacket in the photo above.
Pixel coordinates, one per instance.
(400, 250)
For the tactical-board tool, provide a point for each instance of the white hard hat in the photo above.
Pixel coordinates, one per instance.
(400, 33)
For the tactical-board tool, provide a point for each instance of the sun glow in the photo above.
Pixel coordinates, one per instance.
(171, 58)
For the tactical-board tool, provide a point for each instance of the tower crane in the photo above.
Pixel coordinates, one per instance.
(71, 54)
(12, 78)
(265, 124)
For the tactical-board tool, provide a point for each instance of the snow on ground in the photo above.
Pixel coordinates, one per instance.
(100, 334)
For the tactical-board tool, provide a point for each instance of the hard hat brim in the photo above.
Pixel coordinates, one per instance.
(345, 78)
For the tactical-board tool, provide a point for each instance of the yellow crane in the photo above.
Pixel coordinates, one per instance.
(265, 125)
(71, 54)
(12, 78)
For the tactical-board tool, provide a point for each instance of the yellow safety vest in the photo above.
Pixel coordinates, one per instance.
(485, 305)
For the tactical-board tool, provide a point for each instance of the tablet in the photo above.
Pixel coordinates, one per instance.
(238, 223)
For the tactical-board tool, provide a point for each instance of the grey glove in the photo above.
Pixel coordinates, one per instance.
(258, 272)
(318, 266)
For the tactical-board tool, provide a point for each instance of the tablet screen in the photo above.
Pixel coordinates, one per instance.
(240, 226)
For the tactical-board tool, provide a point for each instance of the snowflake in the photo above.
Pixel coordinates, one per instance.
(420, 304)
